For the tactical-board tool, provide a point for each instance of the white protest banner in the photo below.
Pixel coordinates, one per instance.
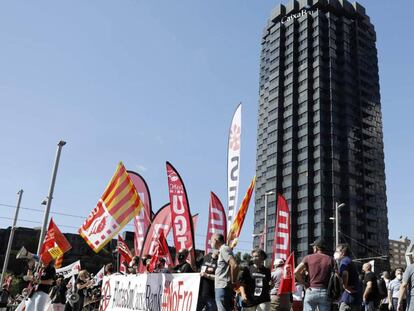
(150, 292)
(69, 270)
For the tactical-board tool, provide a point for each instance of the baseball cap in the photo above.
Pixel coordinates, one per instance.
(278, 262)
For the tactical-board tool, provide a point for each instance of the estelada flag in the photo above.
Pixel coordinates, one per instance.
(125, 254)
(287, 283)
(54, 245)
(119, 203)
(237, 225)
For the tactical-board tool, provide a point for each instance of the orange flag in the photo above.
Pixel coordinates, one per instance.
(54, 245)
(119, 203)
(237, 225)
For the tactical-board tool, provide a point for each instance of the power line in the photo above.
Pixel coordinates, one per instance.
(362, 244)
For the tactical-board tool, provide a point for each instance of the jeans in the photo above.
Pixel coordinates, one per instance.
(316, 298)
(280, 302)
(208, 303)
(38, 302)
(223, 299)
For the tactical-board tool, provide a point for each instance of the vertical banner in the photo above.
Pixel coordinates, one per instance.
(180, 212)
(237, 225)
(217, 222)
(233, 164)
(160, 223)
(119, 203)
(143, 219)
(281, 244)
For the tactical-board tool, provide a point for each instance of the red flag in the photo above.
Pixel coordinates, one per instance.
(143, 220)
(216, 220)
(160, 223)
(180, 212)
(161, 250)
(125, 254)
(119, 203)
(281, 245)
(237, 225)
(54, 245)
(287, 283)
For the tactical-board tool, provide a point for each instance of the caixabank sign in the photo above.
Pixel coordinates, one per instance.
(307, 10)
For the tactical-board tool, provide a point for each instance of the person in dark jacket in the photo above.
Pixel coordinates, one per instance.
(58, 294)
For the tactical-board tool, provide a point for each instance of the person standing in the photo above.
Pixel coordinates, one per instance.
(255, 284)
(407, 288)
(42, 282)
(351, 297)
(206, 297)
(58, 294)
(394, 291)
(370, 294)
(226, 273)
(278, 302)
(319, 267)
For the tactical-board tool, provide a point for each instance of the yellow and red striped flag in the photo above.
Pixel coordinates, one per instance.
(237, 225)
(119, 203)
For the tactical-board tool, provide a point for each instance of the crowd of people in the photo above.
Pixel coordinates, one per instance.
(226, 285)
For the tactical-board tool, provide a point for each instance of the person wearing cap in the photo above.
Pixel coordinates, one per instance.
(225, 276)
(278, 302)
(255, 284)
(206, 297)
(319, 267)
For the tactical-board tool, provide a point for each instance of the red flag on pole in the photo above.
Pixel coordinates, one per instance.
(161, 250)
(237, 225)
(160, 223)
(55, 244)
(180, 212)
(143, 220)
(281, 245)
(125, 254)
(216, 220)
(287, 283)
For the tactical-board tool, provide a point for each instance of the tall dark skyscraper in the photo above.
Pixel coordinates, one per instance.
(319, 138)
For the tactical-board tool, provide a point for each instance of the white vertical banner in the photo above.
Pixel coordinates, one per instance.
(233, 165)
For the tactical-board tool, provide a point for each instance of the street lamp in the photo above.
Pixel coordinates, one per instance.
(265, 221)
(337, 207)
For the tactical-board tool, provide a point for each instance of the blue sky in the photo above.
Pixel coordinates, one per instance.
(149, 81)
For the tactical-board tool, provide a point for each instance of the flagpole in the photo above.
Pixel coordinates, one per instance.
(50, 196)
(12, 229)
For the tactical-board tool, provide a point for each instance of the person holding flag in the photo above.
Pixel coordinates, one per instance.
(278, 302)
(255, 284)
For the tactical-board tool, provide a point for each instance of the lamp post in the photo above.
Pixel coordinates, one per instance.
(49, 198)
(12, 229)
(265, 221)
(337, 207)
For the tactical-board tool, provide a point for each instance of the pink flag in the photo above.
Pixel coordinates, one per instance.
(216, 220)
(281, 245)
(180, 212)
(143, 220)
(160, 223)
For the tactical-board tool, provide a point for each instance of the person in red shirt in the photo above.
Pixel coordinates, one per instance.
(319, 267)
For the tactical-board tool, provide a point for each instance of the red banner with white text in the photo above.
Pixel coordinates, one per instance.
(281, 244)
(180, 212)
(216, 220)
(143, 220)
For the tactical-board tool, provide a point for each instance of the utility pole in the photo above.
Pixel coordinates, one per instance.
(50, 196)
(9, 245)
(337, 207)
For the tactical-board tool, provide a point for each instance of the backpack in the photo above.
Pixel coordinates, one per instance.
(334, 286)
(382, 289)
